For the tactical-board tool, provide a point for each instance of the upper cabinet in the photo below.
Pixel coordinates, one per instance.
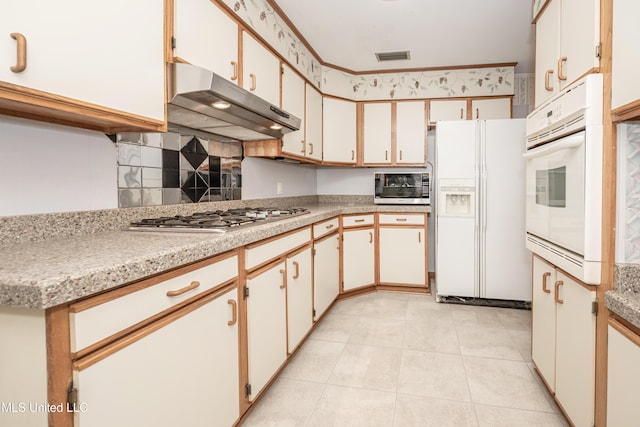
(454, 109)
(411, 132)
(486, 109)
(260, 70)
(338, 131)
(567, 44)
(62, 63)
(376, 132)
(205, 36)
(625, 96)
(293, 94)
(313, 123)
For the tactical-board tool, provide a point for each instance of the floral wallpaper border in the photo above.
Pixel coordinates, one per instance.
(263, 19)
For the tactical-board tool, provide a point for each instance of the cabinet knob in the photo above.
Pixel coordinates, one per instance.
(556, 296)
(545, 276)
(561, 74)
(21, 61)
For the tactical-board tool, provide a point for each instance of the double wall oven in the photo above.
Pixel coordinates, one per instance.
(564, 179)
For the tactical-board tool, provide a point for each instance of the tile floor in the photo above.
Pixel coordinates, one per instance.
(402, 360)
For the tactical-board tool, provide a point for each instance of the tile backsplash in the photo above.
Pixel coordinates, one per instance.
(169, 168)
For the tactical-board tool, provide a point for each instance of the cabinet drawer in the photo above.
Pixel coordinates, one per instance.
(92, 320)
(357, 220)
(263, 252)
(325, 227)
(401, 219)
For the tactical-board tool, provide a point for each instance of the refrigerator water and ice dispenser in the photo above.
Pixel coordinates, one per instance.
(457, 198)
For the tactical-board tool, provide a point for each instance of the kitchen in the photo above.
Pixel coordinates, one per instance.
(90, 162)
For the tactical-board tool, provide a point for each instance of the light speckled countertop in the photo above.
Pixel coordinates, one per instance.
(624, 299)
(45, 273)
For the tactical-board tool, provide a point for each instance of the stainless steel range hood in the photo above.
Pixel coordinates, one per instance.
(204, 101)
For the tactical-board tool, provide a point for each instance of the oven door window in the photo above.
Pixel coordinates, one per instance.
(551, 187)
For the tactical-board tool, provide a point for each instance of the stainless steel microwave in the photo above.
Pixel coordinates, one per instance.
(402, 188)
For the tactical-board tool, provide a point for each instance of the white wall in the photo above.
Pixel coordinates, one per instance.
(260, 178)
(48, 168)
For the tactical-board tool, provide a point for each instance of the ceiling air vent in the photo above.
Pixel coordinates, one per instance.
(393, 56)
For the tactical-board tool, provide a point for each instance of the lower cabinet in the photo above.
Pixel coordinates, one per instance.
(180, 370)
(403, 250)
(266, 324)
(623, 376)
(326, 273)
(564, 339)
(299, 297)
(358, 258)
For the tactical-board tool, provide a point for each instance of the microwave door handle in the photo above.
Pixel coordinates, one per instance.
(569, 142)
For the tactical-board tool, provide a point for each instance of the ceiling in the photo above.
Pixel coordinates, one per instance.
(438, 33)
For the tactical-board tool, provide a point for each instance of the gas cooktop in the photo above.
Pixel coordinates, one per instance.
(216, 221)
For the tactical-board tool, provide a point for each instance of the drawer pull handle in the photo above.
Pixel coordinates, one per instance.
(544, 283)
(329, 227)
(234, 76)
(401, 219)
(21, 61)
(184, 290)
(370, 237)
(561, 74)
(558, 284)
(284, 283)
(234, 312)
(296, 264)
(359, 220)
(253, 82)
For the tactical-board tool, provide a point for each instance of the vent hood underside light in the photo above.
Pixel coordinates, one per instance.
(203, 101)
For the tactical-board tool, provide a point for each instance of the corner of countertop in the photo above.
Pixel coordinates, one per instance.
(624, 299)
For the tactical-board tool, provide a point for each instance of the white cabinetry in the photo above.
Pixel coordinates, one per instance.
(626, 55)
(623, 376)
(486, 109)
(85, 71)
(205, 36)
(313, 126)
(402, 250)
(260, 70)
(299, 297)
(338, 131)
(377, 132)
(266, 324)
(567, 39)
(358, 251)
(411, 136)
(293, 92)
(150, 382)
(563, 308)
(447, 110)
(326, 265)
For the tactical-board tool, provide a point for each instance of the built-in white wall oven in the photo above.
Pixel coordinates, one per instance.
(402, 188)
(564, 179)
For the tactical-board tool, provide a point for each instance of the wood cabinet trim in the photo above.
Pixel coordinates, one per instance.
(629, 111)
(59, 370)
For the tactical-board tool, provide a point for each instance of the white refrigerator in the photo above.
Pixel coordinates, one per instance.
(480, 211)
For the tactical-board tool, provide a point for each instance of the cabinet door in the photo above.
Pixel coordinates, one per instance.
(485, 109)
(410, 132)
(626, 55)
(377, 133)
(623, 377)
(313, 116)
(205, 36)
(109, 53)
(543, 314)
(447, 110)
(402, 256)
(326, 273)
(358, 258)
(547, 52)
(579, 37)
(575, 350)
(184, 372)
(266, 325)
(338, 131)
(260, 70)
(299, 297)
(293, 88)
